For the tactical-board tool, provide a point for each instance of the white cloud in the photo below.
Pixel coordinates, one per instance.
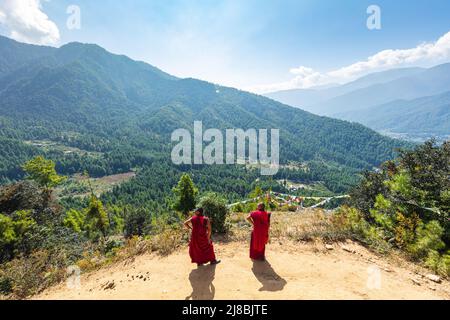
(304, 78)
(423, 54)
(307, 77)
(26, 22)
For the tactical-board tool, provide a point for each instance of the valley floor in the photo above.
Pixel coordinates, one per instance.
(293, 271)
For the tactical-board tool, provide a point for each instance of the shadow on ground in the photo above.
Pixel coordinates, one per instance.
(202, 283)
(269, 279)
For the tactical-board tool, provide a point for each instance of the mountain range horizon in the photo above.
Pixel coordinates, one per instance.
(355, 100)
(82, 96)
(418, 92)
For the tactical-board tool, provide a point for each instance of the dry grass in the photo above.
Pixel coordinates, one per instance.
(164, 243)
(168, 241)
(33, 274)
(307, 225)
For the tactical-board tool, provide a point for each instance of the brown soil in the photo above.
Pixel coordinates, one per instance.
(292, 271)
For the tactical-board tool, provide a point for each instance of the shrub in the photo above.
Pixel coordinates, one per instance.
(353, 222)
(136, 223)
(439, 264)
(91, 261)
(216, 209)
(27, 276)
(405, 229)
(238, 208)
(167, 241)
(117, 224)
(6, 286)
(428, 239)
(75, 220)
(383, 214)
(24, 195)
(112, 246)
(250, 206)
(14, 233)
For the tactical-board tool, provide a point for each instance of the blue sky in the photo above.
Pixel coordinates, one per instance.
(259, 45)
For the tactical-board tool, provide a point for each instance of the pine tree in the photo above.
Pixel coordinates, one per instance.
(96, 218)
(186, 193)
(43, 172)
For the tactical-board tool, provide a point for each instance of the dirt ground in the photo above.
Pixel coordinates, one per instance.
(292, 271)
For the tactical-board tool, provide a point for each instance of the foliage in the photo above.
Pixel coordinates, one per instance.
(117, 225)
(96, 219)
(25, 276)
(427, 240)
(137, 222)
(439, 263)
(216, 209)
(167, 241)
(186, 194)
(406, 204)
(13, 232)
(75, 220)
(89, 110)
(353, 222)
(43, 172)
(256, 193)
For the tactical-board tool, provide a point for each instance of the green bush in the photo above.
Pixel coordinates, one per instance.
(112, 245)
(288, 208)
(14, 233)
(352, 221)
(26, 276)
(6, 286)
(75, 220)
(428, 239)
(238, 208)
(439, 264)
(407, 203)
(137, 223)
(250, 207)
(215, 208)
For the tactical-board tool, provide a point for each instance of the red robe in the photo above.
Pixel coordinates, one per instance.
(260, 234)
(200, 249)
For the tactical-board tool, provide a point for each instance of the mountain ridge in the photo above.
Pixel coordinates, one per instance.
(356, 101)
(411, 116)
(82, 96)
(308, 99)
(430, 82)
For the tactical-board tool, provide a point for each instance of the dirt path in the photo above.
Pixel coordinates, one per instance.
(292, 272)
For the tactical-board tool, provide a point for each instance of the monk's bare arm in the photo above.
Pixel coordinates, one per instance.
(209, 230)
(187, 223)
(250, 219)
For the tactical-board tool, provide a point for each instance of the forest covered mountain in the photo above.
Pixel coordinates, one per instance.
(118, 115)
(422, 117)
(310, 99)
(385, 95)
(15, 54)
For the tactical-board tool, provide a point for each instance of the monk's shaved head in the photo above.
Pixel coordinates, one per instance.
(261, 206)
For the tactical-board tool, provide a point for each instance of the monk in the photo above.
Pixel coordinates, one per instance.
(260, 220)
(201, 248)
